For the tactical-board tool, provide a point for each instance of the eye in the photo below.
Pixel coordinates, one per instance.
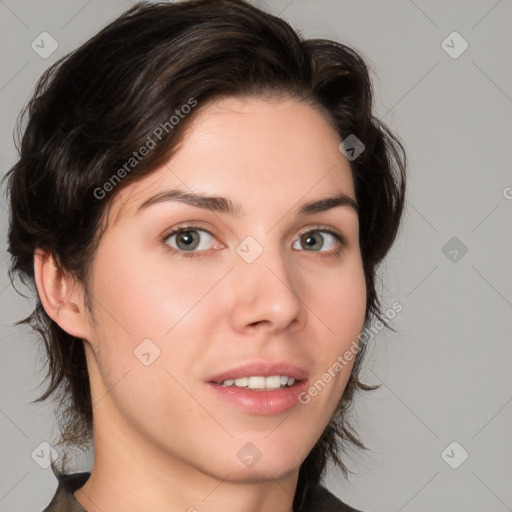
(316, 240)
(189, 239)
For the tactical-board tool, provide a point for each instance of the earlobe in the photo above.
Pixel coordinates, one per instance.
(61, 297)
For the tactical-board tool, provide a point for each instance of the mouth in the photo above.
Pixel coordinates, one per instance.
(259, 382)
(260, 375)
(261, 388)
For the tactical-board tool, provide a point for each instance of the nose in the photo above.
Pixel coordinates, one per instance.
(265, 293)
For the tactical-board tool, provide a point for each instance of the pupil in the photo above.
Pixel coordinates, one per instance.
(311, 240)
(186, 239)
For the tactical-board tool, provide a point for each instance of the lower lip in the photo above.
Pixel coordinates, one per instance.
(264, 403)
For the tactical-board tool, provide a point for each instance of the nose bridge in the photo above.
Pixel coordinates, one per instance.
(265, 286)
(262, 251)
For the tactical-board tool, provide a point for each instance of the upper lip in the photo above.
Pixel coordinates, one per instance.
(260, 368)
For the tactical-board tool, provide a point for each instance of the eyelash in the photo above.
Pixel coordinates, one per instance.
(342, 243)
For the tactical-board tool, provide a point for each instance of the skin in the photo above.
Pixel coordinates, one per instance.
(163, 440)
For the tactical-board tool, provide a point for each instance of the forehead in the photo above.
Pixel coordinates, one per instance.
(242, 147)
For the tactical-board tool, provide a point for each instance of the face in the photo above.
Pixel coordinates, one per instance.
(271, 284)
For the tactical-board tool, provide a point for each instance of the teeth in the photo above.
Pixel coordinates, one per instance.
(257, 382)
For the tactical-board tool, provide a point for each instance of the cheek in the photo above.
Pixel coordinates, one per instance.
(340, 308)
(341, 301)
(133, 292)
(137, 299)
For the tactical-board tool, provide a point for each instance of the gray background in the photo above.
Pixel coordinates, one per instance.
(446, 375)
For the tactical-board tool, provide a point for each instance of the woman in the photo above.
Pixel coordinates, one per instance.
(201, 201)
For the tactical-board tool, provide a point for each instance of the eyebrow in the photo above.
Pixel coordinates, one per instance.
(223, 205)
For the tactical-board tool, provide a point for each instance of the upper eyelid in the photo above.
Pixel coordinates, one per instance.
(198, 227)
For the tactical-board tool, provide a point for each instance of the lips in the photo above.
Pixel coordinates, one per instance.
(260, 368)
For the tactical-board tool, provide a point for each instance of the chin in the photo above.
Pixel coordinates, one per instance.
(261, 474)
(273, 467)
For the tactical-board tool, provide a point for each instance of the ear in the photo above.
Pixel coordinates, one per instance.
(61, 296)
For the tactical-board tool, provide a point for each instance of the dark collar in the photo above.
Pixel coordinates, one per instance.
(310, 498)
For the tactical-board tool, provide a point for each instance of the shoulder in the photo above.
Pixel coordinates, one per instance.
(64, 499)
(320, 499)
